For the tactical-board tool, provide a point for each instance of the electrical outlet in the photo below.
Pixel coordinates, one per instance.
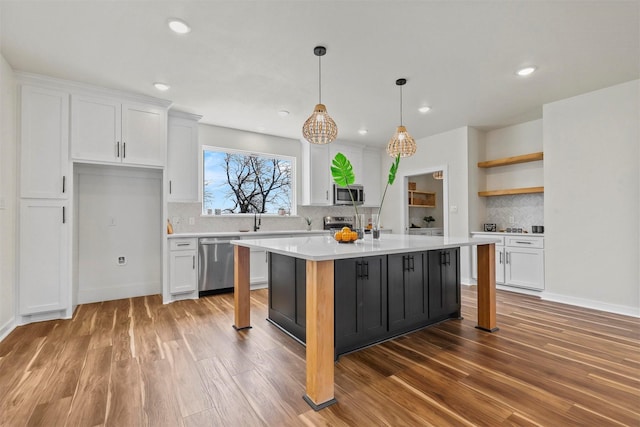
(122, 260)
(192, 220)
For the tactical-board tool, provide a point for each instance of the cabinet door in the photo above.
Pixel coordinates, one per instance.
(407, 288)
(44, 143)
(44, 256)
(316, 175)
(259, 267)
(182, 160)
(360, 302)
(444, 283)
(525, 268)
(95, 129)
(354, 154)
(183, 275)
(143, 135)
(373, 184)
(500, 264)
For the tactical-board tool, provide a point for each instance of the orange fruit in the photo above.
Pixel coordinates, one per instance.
(338, 235)
(345, 229)
(354, 235)
(346, 237)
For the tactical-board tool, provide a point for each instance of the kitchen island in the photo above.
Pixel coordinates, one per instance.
(320, 254)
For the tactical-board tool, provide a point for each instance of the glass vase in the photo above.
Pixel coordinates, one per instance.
(375, 226)
(359, 225)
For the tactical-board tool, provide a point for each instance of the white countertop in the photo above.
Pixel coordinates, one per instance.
(323, 248)
(246, 234)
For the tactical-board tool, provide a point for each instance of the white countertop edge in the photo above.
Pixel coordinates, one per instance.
(504, 233)
(324, 248)
(244, 234)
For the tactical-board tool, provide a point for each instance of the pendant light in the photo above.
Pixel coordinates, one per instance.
(437, 175)
(319, 127)
(401, 143)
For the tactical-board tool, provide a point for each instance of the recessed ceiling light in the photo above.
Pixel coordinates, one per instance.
(283, 113)
(178, 26)
(424, 109)
(161, 86)
(526, 71)
(363, 131)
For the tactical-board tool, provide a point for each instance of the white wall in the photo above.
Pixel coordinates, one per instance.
(447, 151)
(8, 175)
(592, 193)
(118, 214)
(514, 140)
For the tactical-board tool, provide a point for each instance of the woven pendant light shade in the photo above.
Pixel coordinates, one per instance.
(401, 143)
(320, 127)
(437, 175)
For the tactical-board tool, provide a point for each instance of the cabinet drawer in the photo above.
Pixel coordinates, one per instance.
(492, 236)
(182, 244)
(525, 242)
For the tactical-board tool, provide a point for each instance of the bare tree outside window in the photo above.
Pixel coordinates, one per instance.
(239, 182)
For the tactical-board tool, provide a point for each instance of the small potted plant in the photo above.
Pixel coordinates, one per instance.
(343, 176)
(428, 219)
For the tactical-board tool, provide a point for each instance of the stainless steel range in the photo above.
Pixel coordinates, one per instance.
(335, 223)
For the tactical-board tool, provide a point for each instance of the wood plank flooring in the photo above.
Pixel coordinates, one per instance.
(138, 362)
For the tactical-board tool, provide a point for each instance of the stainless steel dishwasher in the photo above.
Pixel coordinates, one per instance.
(215, 267)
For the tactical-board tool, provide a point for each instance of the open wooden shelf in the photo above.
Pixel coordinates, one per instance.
(511, 191)
(422, 199)
(532, 157)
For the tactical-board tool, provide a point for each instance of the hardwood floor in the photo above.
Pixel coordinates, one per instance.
(137, 362)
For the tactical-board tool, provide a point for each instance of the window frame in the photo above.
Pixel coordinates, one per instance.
(293, 196)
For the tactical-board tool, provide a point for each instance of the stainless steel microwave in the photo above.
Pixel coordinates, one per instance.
(341, 195)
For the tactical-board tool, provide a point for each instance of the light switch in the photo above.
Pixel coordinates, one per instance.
(112, 221)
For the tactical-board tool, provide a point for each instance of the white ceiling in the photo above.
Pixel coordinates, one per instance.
(243, 61)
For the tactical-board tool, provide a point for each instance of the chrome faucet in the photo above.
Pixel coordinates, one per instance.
(257, 222)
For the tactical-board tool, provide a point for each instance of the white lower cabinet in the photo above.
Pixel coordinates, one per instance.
(259, 267)
(183, 265)
(519, 261)
(44, 256)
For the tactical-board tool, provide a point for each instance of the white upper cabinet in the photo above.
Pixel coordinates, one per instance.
(354, 154)
(44, 143)
(182, 157)
(107, 130)
(316, 176)
(371, 179)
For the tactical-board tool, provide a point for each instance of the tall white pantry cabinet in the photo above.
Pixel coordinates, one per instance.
(51, 115)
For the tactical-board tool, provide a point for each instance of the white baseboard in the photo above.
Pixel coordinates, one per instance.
(130, 290)
(596, 305)
(6, 329)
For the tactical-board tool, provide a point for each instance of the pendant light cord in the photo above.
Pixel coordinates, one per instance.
(400, 105)
(319, 80)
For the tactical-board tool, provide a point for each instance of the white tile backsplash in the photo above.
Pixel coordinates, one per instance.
(184, 211)
(526, 210)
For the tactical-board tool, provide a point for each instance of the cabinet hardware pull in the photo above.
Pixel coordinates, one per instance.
(64, 219)
(500, 257)
(193, 262)
(448, 258)
(443, 259)
(358, 270)
(124, 150)
(169, 186)
(326, 196)
(411, 263)
(117, 148)
(507, 258)
(182, 244)
(64, 183)
(366, 270)
(524, 243)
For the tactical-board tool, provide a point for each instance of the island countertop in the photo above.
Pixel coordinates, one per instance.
(324, 248)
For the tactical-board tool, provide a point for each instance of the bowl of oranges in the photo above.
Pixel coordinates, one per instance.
(345, 235)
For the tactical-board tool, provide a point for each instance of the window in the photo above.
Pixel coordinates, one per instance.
(237, 182)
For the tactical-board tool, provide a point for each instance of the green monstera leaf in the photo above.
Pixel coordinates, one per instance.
(393, 170)
(342, 171)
